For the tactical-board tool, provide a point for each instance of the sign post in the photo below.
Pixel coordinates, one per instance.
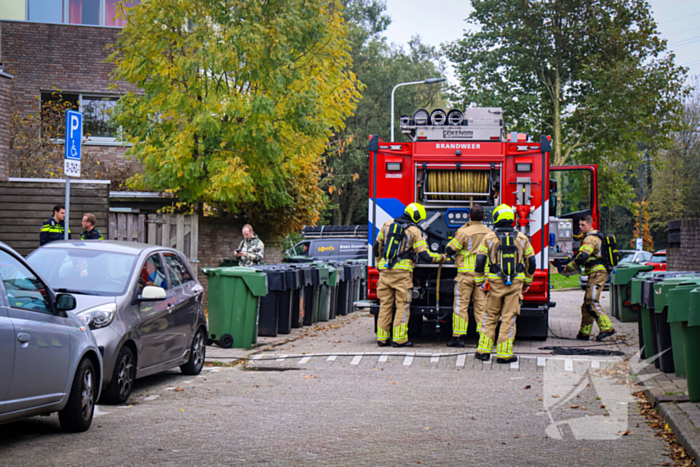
(71, 163)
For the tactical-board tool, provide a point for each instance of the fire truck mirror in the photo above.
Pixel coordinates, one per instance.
(373, 144)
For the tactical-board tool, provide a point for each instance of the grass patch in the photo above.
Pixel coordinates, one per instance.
(561, 282)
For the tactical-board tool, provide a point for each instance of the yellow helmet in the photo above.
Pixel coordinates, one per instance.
(416, 212)
(503, 212)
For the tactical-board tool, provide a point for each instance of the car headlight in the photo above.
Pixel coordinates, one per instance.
(99, 316)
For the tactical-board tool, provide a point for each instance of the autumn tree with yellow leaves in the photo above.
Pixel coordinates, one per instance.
(236, 101)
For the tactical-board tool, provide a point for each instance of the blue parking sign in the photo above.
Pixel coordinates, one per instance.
(74, 134)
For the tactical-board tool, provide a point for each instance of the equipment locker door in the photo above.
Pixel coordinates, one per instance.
(574, 193)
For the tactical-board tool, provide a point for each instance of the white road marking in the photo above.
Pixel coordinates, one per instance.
(186, 382)
(408, 360)
(98, 412)
(282, 357)
(356, 360)
(151, 398)
(383, 359)
(332, 358)
(541, 361)
(304, 360)
(515, 365)
(595, 364)
(461, 360)
(435, 358)
(169, 389)
(568, 365)
(257, 357)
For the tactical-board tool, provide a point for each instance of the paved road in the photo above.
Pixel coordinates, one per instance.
(322, 407)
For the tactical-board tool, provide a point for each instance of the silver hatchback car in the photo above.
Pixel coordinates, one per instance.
(142, 303)
(49, 359)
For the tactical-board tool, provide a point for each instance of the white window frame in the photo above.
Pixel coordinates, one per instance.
(92, 140)
(66, 12)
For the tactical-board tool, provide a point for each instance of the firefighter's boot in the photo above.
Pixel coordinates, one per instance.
(605, 334)
(512, 359)
(459, 341)
(583, 337)
(484, 357)
(402, 344)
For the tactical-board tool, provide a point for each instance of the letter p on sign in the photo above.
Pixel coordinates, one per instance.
(74, 139)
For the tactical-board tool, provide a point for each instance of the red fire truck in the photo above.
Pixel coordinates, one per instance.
(457, 159)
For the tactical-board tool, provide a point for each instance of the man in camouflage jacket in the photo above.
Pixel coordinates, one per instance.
(251, 250)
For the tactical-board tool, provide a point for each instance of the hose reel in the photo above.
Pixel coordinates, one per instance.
(457, 185)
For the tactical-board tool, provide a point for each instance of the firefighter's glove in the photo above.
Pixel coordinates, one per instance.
(571, 267)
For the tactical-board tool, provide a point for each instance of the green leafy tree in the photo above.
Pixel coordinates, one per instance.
(593, 74)
(237, 104)
(379, 66)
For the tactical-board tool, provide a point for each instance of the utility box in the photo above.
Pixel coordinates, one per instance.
(561, 237)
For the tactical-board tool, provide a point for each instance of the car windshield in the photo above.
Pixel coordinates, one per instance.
(627, 258)
(658, 258)
(90, 272)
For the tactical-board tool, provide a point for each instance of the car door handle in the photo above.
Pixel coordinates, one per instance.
(23, 337)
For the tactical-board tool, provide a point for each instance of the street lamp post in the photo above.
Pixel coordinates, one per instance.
(427, 81)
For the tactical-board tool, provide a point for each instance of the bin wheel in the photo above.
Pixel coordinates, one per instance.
(226, 341)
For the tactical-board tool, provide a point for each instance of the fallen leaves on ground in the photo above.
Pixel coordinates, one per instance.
(676, 452)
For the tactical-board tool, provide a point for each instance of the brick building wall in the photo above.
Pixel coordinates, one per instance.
(218, 239)
(70, 58)
(685, 257)
(5, 89)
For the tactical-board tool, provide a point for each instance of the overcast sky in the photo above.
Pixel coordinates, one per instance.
(440, 21)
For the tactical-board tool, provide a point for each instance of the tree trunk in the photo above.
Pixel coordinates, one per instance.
(558, 158)
(335, 199)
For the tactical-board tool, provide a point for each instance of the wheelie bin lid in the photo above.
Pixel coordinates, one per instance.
(662, 289)
(305, 273)
(323, 272)
(292, 278)
(275, 277)
(679, 302)
(332, 275)
(255, 280)
(624, 273)
(694, 308)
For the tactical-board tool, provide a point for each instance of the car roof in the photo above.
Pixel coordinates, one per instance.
(660, 253)
(113, 246)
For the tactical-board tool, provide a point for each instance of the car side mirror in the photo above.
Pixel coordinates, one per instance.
(65, 302)
(151, 293)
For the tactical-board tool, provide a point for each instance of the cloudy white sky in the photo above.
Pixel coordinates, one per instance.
(440, 21)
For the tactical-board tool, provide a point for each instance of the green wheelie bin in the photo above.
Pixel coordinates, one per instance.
(692, 345)
(678, 307)
(322, 307)
(234, 301)
(668, 358)
(621, 292)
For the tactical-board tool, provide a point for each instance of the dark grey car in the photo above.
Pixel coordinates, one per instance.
(142, 302)
(49, 360)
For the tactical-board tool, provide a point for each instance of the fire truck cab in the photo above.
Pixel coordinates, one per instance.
(458, 159)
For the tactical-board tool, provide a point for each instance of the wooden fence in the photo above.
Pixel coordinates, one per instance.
(177, 231)
(26, 203)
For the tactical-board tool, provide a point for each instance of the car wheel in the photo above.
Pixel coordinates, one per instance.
(77, 415)
(198, 353)
(123, 376)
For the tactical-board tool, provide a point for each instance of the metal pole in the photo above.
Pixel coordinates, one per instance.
(426, 81)
(640, 199)
(66, 235)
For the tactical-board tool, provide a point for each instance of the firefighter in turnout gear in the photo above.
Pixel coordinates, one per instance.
(395, 248)
(591, 263)
(464, 247)
(512, 267)
(53, 228)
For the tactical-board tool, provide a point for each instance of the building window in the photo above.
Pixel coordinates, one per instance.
(97, 112)
(88, 12)
(45, 11)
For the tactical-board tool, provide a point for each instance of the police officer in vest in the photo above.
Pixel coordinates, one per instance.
(589, 259)
(91, 232)
(464, 247)
(53, 228)
(512, 267)
(396, 273)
